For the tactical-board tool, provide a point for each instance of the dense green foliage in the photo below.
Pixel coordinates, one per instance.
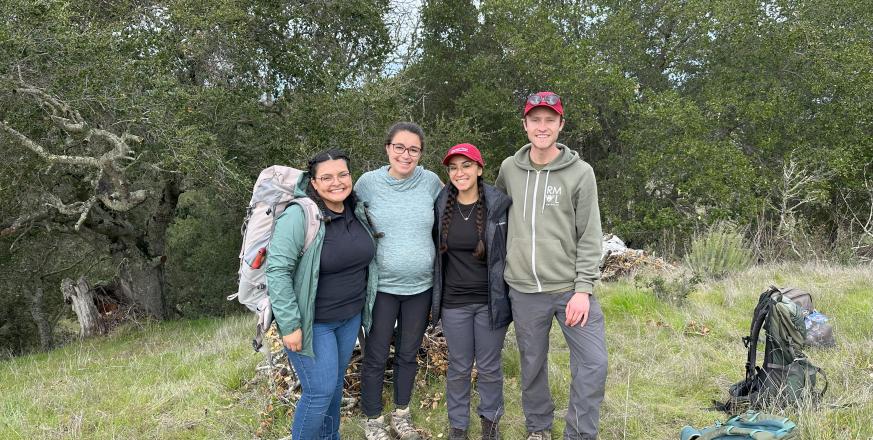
(691, 113)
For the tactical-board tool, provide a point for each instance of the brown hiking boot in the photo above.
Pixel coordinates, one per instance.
(489, 429)
(458, 434)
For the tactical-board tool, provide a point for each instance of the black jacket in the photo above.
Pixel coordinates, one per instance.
(496, 208)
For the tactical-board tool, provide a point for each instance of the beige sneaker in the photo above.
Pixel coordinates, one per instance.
(540, 435)
(401, 423)
(375, 429)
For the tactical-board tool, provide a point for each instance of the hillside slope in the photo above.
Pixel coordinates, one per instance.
(195, 379)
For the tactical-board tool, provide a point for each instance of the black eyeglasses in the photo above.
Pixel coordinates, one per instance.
(549, 99)
(414, 151)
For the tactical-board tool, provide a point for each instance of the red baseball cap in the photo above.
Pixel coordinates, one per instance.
(542, 99)
(467, 150)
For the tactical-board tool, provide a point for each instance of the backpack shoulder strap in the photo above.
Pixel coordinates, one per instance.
(312, 217)
(765, 303)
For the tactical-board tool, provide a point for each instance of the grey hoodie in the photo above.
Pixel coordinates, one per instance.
(554, 223)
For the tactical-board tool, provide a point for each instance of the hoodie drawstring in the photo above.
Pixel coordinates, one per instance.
(524, 210)
(545, 189)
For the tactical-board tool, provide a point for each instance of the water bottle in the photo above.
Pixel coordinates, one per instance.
(815, 317)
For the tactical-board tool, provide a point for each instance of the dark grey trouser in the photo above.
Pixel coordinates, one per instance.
(469, 337)
(533, 314)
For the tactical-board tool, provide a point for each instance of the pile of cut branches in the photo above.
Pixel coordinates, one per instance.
(286, 388)
(619, 261)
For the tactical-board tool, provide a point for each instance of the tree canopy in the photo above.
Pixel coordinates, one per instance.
(133, 130)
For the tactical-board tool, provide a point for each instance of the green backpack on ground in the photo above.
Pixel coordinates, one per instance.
(750, 425)
(786, 377)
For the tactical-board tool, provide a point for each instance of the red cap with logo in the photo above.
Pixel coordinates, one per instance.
(467, 150)
(544, 99)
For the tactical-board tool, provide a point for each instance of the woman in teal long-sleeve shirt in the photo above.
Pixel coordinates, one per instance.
(400, 196)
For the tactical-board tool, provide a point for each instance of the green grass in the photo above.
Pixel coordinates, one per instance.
(194, 379)
(179, 379)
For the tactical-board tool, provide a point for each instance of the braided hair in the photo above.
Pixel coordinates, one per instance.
(449, 212)
(330, 154)
(479, 252)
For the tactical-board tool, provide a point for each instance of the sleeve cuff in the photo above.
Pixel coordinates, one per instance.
(292, 328)
(582, 286)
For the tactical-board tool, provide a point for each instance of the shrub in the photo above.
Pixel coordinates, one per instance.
(671, 290)
(718, 252)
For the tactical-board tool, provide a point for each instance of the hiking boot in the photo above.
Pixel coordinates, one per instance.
(489, 429)
(401, 423)
(375, 429)
(540, 435)
(458, 434)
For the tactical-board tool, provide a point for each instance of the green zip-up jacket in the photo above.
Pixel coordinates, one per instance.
(292, 278)
(554, 238)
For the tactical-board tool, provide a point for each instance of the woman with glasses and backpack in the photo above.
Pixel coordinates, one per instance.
(321, 296)
(400, 197)
(469, 292)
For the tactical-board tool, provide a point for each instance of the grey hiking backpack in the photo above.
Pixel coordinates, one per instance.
(273, 192)
(786, 376)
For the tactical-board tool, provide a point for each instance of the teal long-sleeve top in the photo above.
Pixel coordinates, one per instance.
(402, 210)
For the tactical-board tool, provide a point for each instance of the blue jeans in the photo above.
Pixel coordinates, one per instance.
(318, 411)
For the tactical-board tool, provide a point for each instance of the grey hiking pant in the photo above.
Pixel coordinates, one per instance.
(533, 314)
(469, 337)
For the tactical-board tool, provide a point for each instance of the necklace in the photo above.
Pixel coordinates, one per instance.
(469, 214)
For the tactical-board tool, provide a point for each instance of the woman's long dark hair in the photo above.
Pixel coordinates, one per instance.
(312, 165)
(449, 212)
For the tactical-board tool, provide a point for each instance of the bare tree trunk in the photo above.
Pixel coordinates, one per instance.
(141, 282)
(81, 296)
(43, 325)
(140, 259)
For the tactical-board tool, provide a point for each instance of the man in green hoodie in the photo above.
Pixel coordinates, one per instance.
(553, 258)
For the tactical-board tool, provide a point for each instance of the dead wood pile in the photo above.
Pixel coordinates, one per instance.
(285, 385)
(619, 261)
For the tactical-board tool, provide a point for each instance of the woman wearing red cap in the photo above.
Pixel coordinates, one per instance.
(469, 293)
